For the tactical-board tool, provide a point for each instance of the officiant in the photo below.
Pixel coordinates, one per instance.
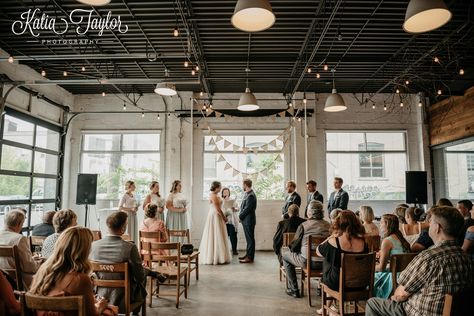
(231, 212)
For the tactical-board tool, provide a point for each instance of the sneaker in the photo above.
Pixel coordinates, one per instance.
(295, 294)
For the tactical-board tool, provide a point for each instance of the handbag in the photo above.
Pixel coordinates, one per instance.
(187, 249)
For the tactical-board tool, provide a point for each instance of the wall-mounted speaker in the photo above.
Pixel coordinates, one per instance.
(416, 187)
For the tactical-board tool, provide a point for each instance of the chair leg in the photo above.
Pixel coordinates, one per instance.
(356, 309)
(189, 272)
(303, 277)
(279, 270)
(151, 292)
(323, 300)
(186, 282)
(197, 268)
(341, 307)
(144, 308)
(309, 291)
(178, 288)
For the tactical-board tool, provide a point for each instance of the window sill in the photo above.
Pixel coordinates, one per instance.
(372, 179)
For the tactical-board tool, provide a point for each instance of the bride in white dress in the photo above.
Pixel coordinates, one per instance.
(215, 248)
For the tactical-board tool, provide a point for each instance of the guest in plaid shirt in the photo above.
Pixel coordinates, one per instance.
(441, 269)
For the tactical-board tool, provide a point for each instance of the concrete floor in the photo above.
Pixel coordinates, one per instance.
(237, 289)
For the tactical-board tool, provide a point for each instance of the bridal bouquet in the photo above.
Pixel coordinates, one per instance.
(160, 203)
(227, 213)
(180, 203)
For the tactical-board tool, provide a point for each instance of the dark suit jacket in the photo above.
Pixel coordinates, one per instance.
(112, 249)
(247, 209)
(339, 200)
(285, 226)
(315, 196)
(293, 198)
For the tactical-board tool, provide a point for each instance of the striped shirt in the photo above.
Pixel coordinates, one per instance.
(441, 269)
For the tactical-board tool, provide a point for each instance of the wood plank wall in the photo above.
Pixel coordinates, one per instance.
(452, 119)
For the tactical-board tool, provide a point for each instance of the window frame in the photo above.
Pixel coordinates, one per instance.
(31, 174)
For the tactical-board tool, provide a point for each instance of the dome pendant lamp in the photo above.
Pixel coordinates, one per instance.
(335, 102)
(247, 101)
(95, 2)
(253, 15)
(425, 15)
(165, 89)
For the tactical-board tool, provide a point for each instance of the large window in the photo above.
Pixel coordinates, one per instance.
(118, 157)
(459, 168)
(372, 164)
(267, 164)
(29, 166)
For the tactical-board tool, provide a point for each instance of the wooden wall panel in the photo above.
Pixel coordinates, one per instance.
(452, 119)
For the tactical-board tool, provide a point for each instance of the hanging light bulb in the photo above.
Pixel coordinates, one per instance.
(193, 72)
(373, 106)
(420, 104)
(401, 104)
(325, 67)
(384, 107)
(290, 104)
(440, 92)
(318, 75)
(103, 93)
(425, 15)
(186, 64)
(158, 116)
(397, 91)
(143, 114)
(11, 59)
(299, 119)
(253, 15)
(407, 82)
(304, 98)
(176, 32)
(124, 107)
(43, 73)
(461, 72)
(201, 93)
(83, 68)
(204, 107)
(309, 70)
(197, 68)
(65, 73)
(436, 59)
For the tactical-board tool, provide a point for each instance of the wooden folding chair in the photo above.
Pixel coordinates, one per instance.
(172, 268)
(12, 255)
(308, 273)
(191, 260)
(373, 242)
(458, 304)
(36, 243)
(287, 239)
(32, 303)
(398, 263)
(123, 282)
(356, 282)
(97, 234)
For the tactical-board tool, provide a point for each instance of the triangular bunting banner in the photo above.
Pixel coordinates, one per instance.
(219, 137)
(235, 172)
(245, 150)
(227, 166)
(273, 143)
(255, 150)
(291, 111)
(227, 143)
(278, 158)
(281, 114)
(235, 148)
(280, 138)
(212, 141)
(221, 158)
(216, 150)
(265, 148)
(218, 114)
(244, 175)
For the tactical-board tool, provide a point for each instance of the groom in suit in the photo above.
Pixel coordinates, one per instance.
(248, 220)
(339, 198)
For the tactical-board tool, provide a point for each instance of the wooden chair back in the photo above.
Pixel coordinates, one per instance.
(458, 304)
(180, 233)
(373, 242)
(12, 255)
(36, 242)
(32, 303)
(357, 274)
(398, 263)
(287, 239)
(123, 282)
(97, 234)
(313, 242)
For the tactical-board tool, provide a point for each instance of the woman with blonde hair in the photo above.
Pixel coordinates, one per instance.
(66, 272)
(129, 204)
(367, 216)
(176, 218)
(154, 198)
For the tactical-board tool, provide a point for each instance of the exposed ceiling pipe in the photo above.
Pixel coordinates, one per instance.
(112, 81)
(91, 57)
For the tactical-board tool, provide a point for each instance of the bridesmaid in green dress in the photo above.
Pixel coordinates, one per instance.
(392, 243)
(176, 217)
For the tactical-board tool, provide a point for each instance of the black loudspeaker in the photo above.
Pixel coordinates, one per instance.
(416, 187)
(86, 188)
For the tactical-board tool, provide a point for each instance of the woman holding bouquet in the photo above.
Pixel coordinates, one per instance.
(154, 198)
(232, 214)
(214, 246)
(176, 218)
(129, 204)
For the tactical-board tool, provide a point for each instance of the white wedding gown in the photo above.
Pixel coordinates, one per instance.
(215, 247)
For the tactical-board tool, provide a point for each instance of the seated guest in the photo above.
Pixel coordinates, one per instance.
(11, 236)
(296, 254)
(11, 307)
(400, 211)
(62, 220)
(367, 217)
(113, 249)
(347, 237)
(151, 223)
(412, 229)
(464, 207)
(46, 228)
(424, 241)
(66, 272)
(334, 213)
(444, 202)
(392, 243)
(439, 270)
(468, 245)
(286, 226)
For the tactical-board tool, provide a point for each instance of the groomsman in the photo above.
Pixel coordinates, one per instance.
(248, 219)
(339, 198)
(292, 198)
(313, 194)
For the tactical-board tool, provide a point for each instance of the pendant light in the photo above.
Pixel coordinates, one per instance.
(425, 15)
(335, 102)
(253, 15)
(247, 101)
(95, 2)
(165, 89)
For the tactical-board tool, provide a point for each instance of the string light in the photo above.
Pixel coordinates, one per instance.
(397, 91)
(325, 67)
(436, 59)
(318, 75)
(193, 72)
(304, 98)
(175, 32)
(309, 70)
(83, 68)
(11, 59)
(143, 114)
(124, 107)
(65, 73)
(401, 104)
(299, 119)
(186, 64)
(43, 73)
(290, 104)
(201, 93)
(461, 72)
(407, 82)
(373, 106)
(440, 92)
(204, 107)
(103, 93)
(420, 104)
(385, 107)
(158, 116)
(197, 68)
